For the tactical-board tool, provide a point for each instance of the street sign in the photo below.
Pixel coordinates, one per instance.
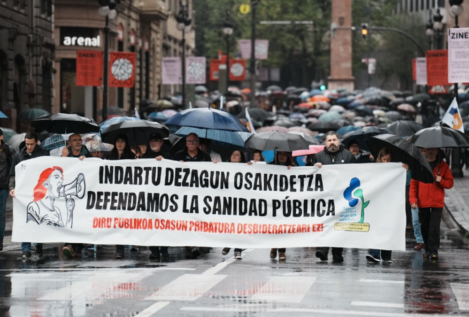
(89, 68)
(244, 8)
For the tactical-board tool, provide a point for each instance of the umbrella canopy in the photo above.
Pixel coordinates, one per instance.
(169, 112)
(137, 132)
(229, 137)
(207, 119)
(393, 115)
(104, 125)
(113, 111)
(278, 141)
(438, 137)
(303, 130)
(7, 134)
(361, 135)
(200, 89)
(315, 92)
(363, 110)
(297, 116)
(274, 88)
(406, 107)
(405, 128)
(379, 113)
(301, 90)
(15, 141)
(319, 98)
(323, 126)
(337, 108)
(405, 152)
(396, 102)
(32, 114)
(346, 129)
(306, 105)
(349, 115)
(316, 112)
(257, 114)
(284, 123)
(157, 116)
(309, 138)
(272, 128)
(330, 116)
(202, 103)
(63, 123)
(98, 146)
(417, 98)
(164, 104)
(54, 142)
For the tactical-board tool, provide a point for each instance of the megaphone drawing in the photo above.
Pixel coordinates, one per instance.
(76, 188)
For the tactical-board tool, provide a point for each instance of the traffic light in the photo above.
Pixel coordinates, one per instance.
(323, 87)
(364, 30)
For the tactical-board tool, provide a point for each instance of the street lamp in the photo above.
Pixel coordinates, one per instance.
(438, 26)
(455, 11)
(107, 9)
(183, 25)
(227, 30)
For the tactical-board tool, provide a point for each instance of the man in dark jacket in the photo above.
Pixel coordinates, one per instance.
(30, 151)
(6, 159)
(192, 153)
(360, 155)
(334, 153)
(155, 148)
(76, 148)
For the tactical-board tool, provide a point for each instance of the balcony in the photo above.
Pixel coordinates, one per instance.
(152, 9)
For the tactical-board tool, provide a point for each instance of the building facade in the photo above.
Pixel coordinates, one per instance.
(27, 51)
(137, 28)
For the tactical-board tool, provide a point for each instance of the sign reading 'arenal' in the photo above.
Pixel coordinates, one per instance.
(146, 202)
(82, 41)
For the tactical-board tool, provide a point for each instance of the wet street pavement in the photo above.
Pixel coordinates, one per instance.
(217, 285)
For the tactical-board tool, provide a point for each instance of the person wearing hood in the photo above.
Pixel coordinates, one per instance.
(31, 150)
(333, 153)
(430, 199)
(360, 155)
(6, 160)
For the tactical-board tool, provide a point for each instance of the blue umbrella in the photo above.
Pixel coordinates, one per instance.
(354, 104)
(463, 97)
(157, 116)
(343, 101)
(297, 116)
(104, 125)
(53, 142)
(230, 137)
(207, 119)
(346, 129)
(315, 92)
(3, 116)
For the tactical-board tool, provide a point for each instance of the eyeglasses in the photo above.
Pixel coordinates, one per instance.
(192, 141)
(77, 140)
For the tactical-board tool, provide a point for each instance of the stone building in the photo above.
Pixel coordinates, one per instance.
(137, 28)
(26, 59)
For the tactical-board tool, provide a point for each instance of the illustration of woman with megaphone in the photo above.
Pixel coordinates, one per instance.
(43, 209)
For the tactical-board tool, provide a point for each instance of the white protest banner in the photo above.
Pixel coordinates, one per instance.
(261, 49)
(149, 202)
(195, 70)
(458, 55)
(171, 67)
(421, 70)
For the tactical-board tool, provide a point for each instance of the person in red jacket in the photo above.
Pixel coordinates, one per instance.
(430, 199)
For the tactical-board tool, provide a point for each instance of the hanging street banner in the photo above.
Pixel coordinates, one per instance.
(421, 70)
(261, 49)
(414, 69)
(214, 68)
(195, 70)
(237, 69)
(437, 68)
(172, 71)
(122, 69)
(458, 55)
(89, 68)
(149, 202)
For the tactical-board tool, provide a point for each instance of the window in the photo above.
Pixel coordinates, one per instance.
(46, 7)
(411, 9)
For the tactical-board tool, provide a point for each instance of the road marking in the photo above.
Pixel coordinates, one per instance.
(461, 291)
(152, 309)
(311, 311)
(220, 266)
(376, 304)
(100, 270)
(381, 281)
(187, 287)
(291, 289)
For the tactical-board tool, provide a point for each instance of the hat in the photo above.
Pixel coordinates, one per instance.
(352, 143)
(155, 136)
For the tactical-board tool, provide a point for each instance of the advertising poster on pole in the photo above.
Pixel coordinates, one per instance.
(261, 50)
(421, 70)
(458, 55)
(122, 69)
(414, 69)
(437, 68)
(214, 65)
(195, 70)
(237, 70)
(89, 68)
(172, 71)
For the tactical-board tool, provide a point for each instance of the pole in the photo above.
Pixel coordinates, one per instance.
(252, 65)
(106, 66)
(183, 68)
(227, 62)
(368, 46)
(456, 168)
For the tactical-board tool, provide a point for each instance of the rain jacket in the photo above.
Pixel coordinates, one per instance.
(6, 159)
(342, 156)
(432, 195)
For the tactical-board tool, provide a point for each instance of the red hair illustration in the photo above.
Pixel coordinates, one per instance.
(40, 191)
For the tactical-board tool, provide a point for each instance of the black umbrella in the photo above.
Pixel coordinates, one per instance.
(323, 126)
(361, 135)
(405, 128)
(64, 123)
(405, 152)
(438, 137)
(274, 88)
(137, 132)
(284, 123)
(278, 141)
(257, 114)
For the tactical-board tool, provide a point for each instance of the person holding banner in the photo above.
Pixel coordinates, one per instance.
(6, 159)
(30, 150)
(257, 156)
(121, 151)
(333, 153)
(76, 148)
(430, 199)
(284, 159)
(375, 255)
(192, 153)
(236, 157)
